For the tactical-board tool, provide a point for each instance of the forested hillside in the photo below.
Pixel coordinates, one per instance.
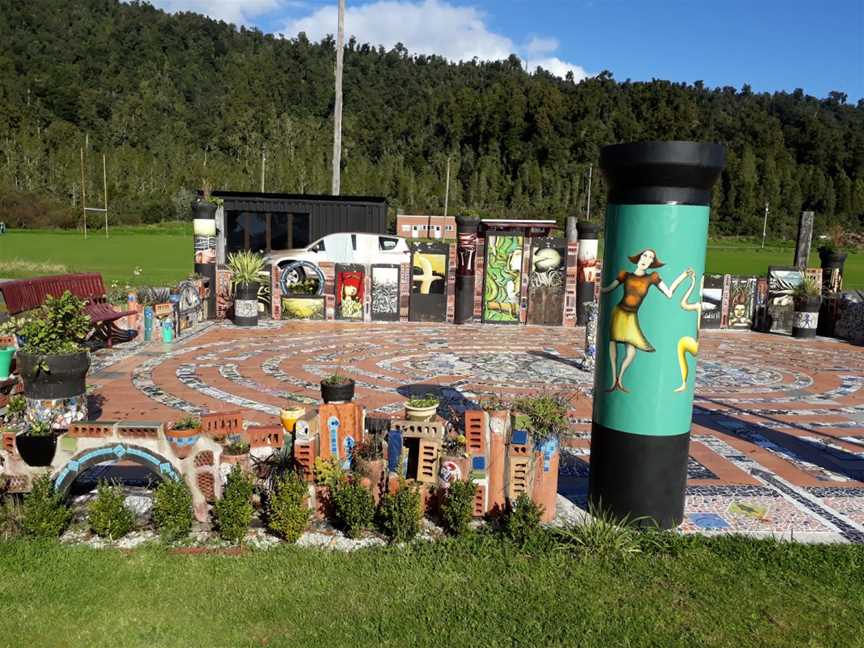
(171, 99)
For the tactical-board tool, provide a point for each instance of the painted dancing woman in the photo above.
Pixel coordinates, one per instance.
(688, 344)
(624, 323)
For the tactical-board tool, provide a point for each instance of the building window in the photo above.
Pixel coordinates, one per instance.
(406, 228)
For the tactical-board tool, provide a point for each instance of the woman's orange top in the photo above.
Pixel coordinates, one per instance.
(635, 289)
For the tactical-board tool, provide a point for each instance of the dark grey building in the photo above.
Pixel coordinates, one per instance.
(274, 221)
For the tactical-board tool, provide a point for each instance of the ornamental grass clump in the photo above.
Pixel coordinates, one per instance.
(44, 514)
(107, 513)
(602, 536)
(234, 511)
(458, 506)
(172, 510)
(400, 513)
(246, 267)
(287, 513)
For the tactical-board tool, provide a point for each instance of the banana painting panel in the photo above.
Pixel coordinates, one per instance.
(502, 279)
(546, 281)
(429, 263)
(304, 308)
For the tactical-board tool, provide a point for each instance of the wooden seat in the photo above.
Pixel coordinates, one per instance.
(26, 294)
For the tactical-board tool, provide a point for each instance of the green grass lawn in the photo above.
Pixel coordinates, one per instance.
(164, 255)
(480, 592)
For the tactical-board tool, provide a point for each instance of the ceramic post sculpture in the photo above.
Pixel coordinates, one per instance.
(205, 257)
(648, 331)
(466, 254)
(587, 267)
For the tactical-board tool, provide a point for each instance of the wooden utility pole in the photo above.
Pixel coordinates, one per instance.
(263, 165)
(447, 189)
(337, 112)
(588, 207)
(764, 225)
(105, 190)
(83, 194)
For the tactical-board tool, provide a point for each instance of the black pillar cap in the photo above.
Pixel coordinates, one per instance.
(662, 172)
(467, 223)
(587, 230)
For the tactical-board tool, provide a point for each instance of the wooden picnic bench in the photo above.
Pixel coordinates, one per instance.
(23, 295)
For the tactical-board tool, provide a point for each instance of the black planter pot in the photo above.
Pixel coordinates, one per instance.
(203, 209)
(36, 450)
(832, 260)
(805, 320)
(66, 375)
(246, 304)
(341, 393)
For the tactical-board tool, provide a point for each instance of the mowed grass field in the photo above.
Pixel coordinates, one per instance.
(472, 592)
(164, 255)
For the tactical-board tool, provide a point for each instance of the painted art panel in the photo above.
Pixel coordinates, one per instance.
(712, 301)
(546, 281)
(350, 291)
(782, 281)
(385, 293)
(502, 280)
(429, 263)
(742, 302)
(224, 295)
(303, 308)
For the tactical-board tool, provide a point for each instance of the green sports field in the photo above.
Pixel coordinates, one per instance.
(161, 255)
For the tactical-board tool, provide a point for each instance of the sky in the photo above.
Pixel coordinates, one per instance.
(768, 44)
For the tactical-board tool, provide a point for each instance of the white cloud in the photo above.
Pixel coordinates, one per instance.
(424, 27)
(541, 45)
(557, 67)
(234, 11)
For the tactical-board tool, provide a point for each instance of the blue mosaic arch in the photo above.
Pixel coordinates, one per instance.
(154, 462)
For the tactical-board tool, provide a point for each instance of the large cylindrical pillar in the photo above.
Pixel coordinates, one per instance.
(656, 232)
(586, 267)
(466, 253)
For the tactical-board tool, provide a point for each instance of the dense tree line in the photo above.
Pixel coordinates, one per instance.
(172, 99)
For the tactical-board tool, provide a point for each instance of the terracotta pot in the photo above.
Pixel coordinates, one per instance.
(182, 441)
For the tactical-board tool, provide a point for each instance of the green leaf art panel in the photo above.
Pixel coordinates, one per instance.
(503, 283)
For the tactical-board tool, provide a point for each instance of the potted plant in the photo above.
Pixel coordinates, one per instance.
(246, 267)
(183, 435)
(543, 416)
(52, 360)
(422, 408)
(807, 300)
(236, 452)
(37, 445)
(206, 205)
(831, 253)
(337, 388)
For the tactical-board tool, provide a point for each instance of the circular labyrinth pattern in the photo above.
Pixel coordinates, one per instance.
(777, 443)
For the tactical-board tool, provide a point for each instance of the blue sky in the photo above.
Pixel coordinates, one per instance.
(770, 44)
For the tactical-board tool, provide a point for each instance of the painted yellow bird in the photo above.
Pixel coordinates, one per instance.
(426, 277)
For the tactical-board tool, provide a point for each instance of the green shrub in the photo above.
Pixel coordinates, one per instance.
(234, 511)
(172, 509)
(107, 513)
(522, 522)
(458, 506)
(354, 507)
(45, 514)
(400, 513)
(287, 510)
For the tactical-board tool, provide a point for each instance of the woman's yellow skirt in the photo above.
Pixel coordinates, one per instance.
(625, 328)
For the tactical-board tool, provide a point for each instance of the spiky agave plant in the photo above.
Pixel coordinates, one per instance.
(246, 266)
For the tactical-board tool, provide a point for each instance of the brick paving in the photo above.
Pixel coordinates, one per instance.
(778, 428)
